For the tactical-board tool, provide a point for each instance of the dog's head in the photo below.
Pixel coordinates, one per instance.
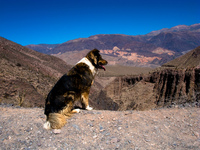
(96, 59)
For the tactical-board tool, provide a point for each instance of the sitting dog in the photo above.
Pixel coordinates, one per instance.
(72, 86)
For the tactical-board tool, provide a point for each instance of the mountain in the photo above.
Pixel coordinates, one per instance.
(150, 50)
(179, 41)
(194, 28)
(26, 76)
(42, 48)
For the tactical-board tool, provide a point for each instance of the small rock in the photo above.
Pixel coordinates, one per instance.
(39, 144)
(76, 126)
(114, 140)
(101, 128)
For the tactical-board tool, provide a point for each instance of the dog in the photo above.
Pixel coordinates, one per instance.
(72, 86)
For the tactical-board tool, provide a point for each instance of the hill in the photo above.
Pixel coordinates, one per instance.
(26, 76)
(150, 50)
(189, 60)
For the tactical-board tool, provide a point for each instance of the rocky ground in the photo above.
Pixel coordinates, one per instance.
(174, 128)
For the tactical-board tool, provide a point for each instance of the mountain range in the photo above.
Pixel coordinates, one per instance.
(150, 50)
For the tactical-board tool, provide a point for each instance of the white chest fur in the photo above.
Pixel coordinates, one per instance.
(87, 62)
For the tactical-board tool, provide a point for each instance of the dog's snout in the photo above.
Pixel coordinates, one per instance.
(103, 62)
(106, 62)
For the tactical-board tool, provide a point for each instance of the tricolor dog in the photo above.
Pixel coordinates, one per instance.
(72, 86)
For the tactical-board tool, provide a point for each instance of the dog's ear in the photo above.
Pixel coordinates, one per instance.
(95, 51)
(92, 56)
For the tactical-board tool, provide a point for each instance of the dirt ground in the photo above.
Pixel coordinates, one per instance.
(174, 128)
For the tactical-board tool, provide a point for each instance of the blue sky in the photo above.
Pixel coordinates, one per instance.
(57, 21)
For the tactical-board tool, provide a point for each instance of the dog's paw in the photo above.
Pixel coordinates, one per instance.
(76, 110)
(47, 125)
(56, 131)
(89, 108)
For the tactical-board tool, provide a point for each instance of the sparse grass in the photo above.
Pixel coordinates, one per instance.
(20, 98)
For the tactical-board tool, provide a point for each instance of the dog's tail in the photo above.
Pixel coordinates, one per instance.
(55, 121)
(58, 120)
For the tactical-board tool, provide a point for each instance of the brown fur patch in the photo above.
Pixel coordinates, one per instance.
(85, 99)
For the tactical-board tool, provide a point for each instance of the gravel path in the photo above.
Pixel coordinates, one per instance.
(21, 128)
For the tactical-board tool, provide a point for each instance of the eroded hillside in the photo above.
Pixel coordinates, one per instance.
(177, 85)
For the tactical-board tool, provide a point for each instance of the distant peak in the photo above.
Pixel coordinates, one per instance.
(177, 28)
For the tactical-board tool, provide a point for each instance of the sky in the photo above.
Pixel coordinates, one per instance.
(57, 21)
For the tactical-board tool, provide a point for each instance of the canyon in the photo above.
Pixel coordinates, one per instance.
(173, 84)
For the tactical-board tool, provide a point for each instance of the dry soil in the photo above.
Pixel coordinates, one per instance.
(174, 128)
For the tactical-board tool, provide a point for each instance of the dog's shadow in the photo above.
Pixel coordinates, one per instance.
(78, 107)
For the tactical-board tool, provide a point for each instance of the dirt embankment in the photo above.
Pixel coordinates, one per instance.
(177, 128)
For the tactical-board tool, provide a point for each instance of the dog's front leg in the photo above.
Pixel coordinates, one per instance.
(85, 101)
